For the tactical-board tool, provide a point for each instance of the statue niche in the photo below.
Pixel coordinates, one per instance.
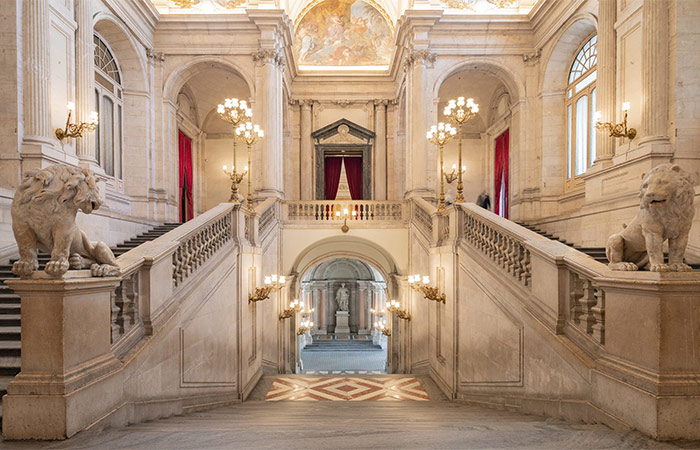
(343, 140)
(342, 297)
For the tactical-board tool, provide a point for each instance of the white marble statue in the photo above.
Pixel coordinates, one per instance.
(43, 217)
(665, 212)
(342, 297)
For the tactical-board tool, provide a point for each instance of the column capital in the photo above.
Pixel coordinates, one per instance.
(422, 57)
(266, 56)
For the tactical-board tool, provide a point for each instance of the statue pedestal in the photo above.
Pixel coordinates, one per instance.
(341, 322)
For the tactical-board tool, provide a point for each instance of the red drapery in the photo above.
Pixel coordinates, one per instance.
(333, 167)
(185, 154)
(353, 170)
(501, 175)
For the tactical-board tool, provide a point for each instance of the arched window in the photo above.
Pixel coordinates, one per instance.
(109, 105)
(580, 107)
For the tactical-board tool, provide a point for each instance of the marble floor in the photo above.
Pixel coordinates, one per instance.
(435, 424)
(334, 360)
(352, 389)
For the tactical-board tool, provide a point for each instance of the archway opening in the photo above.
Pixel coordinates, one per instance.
(347, 298)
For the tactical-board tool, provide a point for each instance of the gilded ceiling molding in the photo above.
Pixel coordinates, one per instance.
(469, 4)
(231, 4)
(184, 4)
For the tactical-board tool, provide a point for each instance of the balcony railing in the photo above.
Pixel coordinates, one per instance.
(335, 210)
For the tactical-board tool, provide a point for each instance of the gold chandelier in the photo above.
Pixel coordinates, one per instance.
(460, 112)
(440, 135)
(234, 111)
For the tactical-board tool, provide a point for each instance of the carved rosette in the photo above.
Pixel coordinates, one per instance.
(269, 56)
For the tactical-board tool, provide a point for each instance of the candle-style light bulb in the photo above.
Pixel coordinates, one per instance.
(626, 106)
(224, 167)
(597, 116)
(70, 106)
(426, 280)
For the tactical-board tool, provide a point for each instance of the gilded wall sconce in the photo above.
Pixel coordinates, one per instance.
(395, 308)
(272, 283)
(616, 129)
(380, 325)
(423, 285)
(304, 326)
(73, 130)
(294, 307)
(345, 228)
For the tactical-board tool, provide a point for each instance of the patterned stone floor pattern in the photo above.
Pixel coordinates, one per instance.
(306, 388)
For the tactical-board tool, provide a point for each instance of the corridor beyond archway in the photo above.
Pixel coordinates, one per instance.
(348, 301)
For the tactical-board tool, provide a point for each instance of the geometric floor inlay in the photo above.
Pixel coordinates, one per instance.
(354, 389)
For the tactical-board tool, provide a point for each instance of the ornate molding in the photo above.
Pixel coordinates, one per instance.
(424, 57)
(184, 4)
(532, 57)
(381, 102)
(269, 56)
(155, 56)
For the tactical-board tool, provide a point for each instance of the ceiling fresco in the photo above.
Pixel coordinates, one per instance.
(343, 33)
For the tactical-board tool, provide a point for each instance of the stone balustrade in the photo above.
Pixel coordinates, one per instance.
(321, 211)
(617, 338)
(106, 334)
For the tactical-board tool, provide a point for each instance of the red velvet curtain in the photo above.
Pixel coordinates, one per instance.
(333, 167)
(501, 174)
(353, 170)
(185, 158)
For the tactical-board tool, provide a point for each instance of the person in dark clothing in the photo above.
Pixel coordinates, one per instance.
(484, 200)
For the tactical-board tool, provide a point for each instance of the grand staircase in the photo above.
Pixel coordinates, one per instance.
(597, 253)
(10, 337)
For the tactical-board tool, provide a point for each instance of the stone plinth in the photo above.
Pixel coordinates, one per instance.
(341, 322)
(65, 353)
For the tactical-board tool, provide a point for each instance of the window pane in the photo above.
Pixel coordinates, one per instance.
(97, 131)
(581, 134)
(586, 81)
(108, 135)
(591, 160)
(568, 141)
(118, 153)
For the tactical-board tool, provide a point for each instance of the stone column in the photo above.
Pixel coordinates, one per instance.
(655, 71)
(420, 171)
(268, 113)
(380, 161)
(37, 118)
(307, 152)
(84, 79)
(607, 60)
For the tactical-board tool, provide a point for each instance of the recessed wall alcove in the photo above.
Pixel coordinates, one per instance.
(343, 139)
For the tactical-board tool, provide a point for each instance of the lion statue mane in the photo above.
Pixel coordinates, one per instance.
(43, 217)
(665, 212)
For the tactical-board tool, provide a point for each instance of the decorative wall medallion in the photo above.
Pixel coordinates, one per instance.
(343, 33)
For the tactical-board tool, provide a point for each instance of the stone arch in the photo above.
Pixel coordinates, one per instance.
(505, 74)
(566, 42)
(335, 247)
(179, 76)
(128, 53)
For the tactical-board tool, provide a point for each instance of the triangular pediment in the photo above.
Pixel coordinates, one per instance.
(343, 131)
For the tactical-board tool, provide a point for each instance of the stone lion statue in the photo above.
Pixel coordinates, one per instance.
(43, 217)
(665, 212)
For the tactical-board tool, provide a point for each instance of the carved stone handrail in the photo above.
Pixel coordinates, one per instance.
(422, 216)
(325, 211)
(498, 244)
(188, 247)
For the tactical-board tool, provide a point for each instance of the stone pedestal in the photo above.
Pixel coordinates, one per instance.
(341, 322)
(66, 356)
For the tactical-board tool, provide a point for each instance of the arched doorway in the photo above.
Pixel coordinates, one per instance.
(346, 301)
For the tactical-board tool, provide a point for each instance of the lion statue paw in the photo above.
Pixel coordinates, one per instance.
(57, 267)
(665, 212)
(43, 218)
(104, 270)
(623, 266)
(24, 268)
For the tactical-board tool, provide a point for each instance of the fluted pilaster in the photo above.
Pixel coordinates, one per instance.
(607, 59)
(84, 78)
(655, 69)
(37, 119)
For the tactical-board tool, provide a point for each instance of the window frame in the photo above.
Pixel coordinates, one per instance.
(573, 180)
(115, 93)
